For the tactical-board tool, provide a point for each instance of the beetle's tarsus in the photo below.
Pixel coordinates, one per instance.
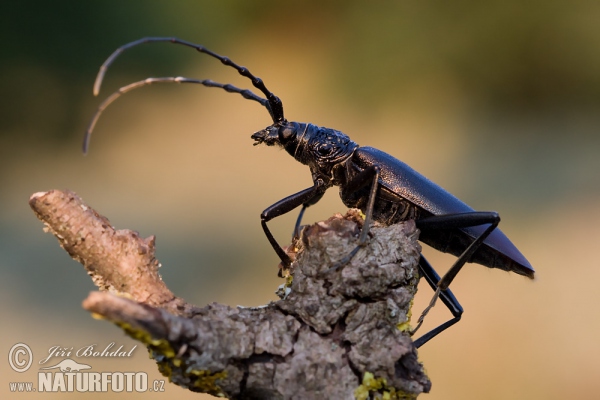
(426, 311)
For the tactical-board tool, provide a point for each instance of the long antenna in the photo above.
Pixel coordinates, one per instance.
(275, 103)
(247, 94)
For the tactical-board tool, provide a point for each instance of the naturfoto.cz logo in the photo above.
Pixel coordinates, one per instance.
(69, 375)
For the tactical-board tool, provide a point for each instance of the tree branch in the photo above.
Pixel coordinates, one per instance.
(334, 333)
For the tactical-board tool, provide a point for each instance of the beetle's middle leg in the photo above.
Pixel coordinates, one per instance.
(368, 175)
(296, 233)
(312, 201)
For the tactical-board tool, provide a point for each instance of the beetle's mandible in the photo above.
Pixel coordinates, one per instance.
(383, 187)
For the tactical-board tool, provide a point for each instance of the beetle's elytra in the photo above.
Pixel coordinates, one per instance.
(383, 187)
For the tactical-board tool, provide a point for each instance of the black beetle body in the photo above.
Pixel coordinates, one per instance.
(403, 192)
(383, 187)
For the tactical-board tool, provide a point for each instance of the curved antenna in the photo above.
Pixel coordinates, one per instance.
(247, 94)
(275, 104)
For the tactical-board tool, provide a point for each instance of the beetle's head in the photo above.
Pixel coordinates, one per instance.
(311, 145)
(289, 135)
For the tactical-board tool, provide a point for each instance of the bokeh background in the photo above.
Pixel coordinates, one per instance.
(497, 101)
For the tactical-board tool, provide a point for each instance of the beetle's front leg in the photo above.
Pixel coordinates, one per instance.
(284, 206)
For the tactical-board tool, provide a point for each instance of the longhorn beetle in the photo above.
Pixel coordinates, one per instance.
(383, 187)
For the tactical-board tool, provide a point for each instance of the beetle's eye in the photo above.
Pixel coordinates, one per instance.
(285, 134)
(325, 149)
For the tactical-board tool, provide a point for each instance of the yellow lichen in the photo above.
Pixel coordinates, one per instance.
(161, 346)
(405, 326)
(202, 380)
(372, 384)
(97, 316)
(369, 383)
(206, 381)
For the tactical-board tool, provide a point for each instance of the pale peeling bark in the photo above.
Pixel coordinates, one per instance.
(335, 334)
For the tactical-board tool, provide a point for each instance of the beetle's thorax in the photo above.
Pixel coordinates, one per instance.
(324, 150)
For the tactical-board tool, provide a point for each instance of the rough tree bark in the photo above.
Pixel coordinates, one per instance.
(338, 334)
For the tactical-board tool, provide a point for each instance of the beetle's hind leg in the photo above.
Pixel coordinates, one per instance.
(447, 297)
(452, 221)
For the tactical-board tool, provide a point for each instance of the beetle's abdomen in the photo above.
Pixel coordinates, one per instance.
(388, 209)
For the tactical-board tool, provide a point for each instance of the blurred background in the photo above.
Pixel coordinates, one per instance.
(496, 101)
